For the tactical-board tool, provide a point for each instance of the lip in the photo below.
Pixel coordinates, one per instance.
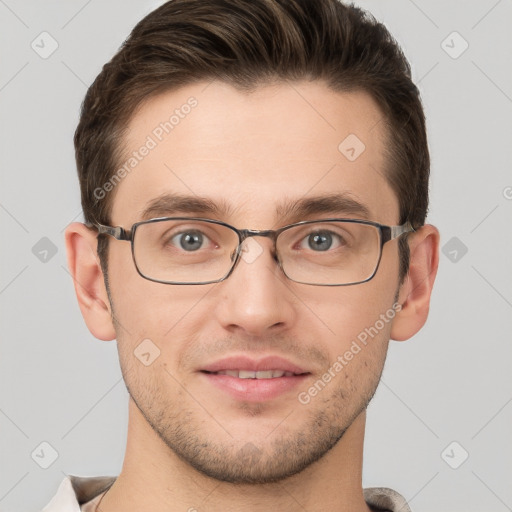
(254, 365)
(254, 390)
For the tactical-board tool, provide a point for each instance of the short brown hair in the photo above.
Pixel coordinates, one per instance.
(250, 43)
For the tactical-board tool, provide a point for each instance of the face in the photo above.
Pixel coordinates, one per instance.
(251, 153)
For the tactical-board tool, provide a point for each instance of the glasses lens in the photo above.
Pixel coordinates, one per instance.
(329, 252)
(184, 251)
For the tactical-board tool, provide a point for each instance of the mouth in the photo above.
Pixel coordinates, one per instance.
(262, 374)
(250, 380)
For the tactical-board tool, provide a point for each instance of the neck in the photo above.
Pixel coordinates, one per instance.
(154, 478)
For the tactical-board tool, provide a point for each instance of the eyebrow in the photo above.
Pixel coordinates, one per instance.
(334, 204)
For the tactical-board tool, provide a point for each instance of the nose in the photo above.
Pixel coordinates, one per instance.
(256, 298)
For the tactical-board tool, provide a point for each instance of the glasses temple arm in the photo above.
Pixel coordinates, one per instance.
(396, 231)
(117, 232)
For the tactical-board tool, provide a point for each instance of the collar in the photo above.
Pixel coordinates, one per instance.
(77, 490)
(74, 491)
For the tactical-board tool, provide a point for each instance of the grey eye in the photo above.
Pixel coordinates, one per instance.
(189, 240)
(320, 241)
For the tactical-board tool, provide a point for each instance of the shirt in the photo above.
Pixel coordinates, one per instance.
(82, 494)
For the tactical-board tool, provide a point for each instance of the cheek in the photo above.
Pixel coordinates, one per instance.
(151, 384)
(163, 321)
(355, 322)
(343, 313)
(359, 353)
(143, 308)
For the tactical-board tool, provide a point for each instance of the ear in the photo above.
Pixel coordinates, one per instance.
(85, 269)
(415, 291)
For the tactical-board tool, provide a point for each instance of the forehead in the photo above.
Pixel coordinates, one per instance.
(254, 155)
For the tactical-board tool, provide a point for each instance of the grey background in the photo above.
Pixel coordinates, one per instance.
(449, 383)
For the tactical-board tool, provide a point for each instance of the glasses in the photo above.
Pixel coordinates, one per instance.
(190, 250)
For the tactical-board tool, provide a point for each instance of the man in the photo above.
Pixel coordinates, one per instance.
(254, 181)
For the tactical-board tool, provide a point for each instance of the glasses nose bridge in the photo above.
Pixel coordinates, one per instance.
(246, 233)
(267, 233)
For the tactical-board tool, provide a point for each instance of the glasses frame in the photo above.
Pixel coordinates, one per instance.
(386, 234)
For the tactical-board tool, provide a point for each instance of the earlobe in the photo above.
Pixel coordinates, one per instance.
(87, 275)
(415, 291)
